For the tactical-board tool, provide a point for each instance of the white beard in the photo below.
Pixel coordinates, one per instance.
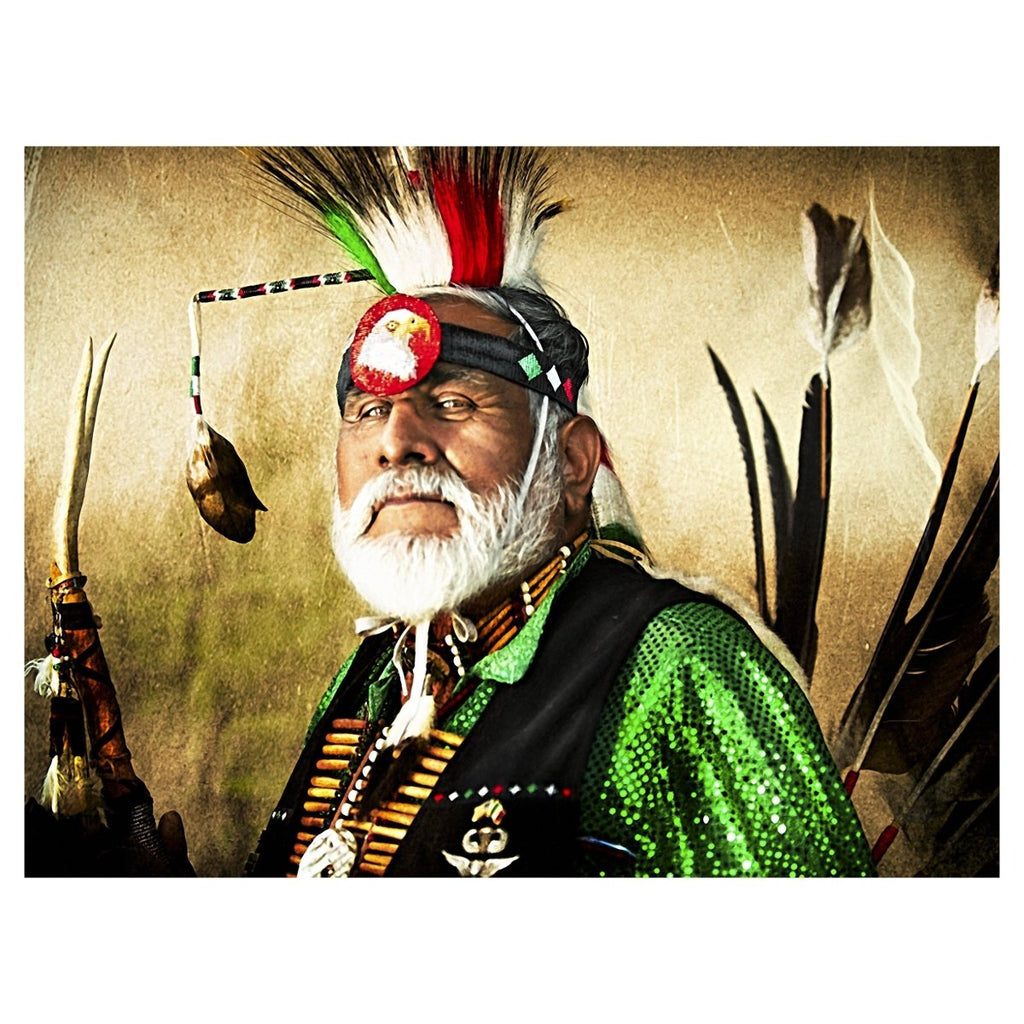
(415, 577)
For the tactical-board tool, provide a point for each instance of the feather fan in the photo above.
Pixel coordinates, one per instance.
(420, 217)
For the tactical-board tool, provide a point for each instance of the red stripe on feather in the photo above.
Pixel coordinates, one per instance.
(470, 208)
(884, 842)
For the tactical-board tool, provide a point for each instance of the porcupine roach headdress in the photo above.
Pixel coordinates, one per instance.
(414, 221)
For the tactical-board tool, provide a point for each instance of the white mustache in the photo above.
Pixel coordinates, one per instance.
(425, 481)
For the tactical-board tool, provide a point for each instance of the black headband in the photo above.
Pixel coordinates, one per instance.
(528, 367)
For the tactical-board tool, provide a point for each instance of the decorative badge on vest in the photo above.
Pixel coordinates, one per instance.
(395, 346)
(481, 841)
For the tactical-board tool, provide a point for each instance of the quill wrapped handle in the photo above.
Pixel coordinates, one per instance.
(84, 704)
(77, 638)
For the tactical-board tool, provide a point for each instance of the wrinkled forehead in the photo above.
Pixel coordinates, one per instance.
(400, 339)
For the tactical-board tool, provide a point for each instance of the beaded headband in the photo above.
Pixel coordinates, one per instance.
(399, 339)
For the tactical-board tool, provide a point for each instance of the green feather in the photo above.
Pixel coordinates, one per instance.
(340, 225)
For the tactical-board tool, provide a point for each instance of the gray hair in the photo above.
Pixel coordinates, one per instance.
(564, 343)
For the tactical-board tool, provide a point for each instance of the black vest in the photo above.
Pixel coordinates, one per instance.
(528, 749)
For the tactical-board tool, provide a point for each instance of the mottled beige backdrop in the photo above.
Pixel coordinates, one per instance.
(220, 652)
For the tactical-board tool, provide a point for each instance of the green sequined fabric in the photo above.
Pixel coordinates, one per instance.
(708, 760)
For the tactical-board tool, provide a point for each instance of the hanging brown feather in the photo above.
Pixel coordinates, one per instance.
(219, 484)
(799, 574)
(743, 432)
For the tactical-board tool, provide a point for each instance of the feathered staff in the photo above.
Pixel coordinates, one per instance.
(96, 829)
(919, 713)
(909, 710)
(837, 261)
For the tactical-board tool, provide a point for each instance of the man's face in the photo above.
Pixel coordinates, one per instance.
(461, 421)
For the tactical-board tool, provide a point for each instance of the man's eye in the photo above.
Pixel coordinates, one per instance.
(453, 403)
(372, 410)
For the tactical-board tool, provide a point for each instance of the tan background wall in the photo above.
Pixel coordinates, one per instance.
(221, 651)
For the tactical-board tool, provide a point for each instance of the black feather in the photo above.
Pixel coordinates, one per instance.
(892, 641)
(894, 727)
(967, 766)
(743, 432)
(799, 573)
(780, 487)
(950, 812)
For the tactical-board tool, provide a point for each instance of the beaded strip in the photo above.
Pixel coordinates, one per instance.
(500, 626)
(387, 826)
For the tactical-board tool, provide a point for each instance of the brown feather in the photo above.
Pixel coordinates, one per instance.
(219, 484)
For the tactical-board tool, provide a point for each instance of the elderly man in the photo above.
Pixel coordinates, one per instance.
(526, 704)
(531, 697)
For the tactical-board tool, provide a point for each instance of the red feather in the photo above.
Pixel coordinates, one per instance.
(467, 191)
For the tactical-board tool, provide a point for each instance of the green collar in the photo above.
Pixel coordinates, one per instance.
(509, 663)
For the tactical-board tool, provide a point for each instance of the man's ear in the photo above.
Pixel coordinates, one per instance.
(580, 442)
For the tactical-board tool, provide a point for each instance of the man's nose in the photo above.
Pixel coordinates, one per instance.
(407, 438)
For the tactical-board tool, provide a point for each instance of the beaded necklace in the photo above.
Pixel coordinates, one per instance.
(496, 629)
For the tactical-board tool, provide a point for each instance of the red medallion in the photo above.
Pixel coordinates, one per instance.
(396, 344)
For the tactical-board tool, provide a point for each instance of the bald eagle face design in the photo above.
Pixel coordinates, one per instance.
(388, 346)
(395, 346)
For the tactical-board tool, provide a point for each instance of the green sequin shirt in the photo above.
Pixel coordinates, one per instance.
(708, 759)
